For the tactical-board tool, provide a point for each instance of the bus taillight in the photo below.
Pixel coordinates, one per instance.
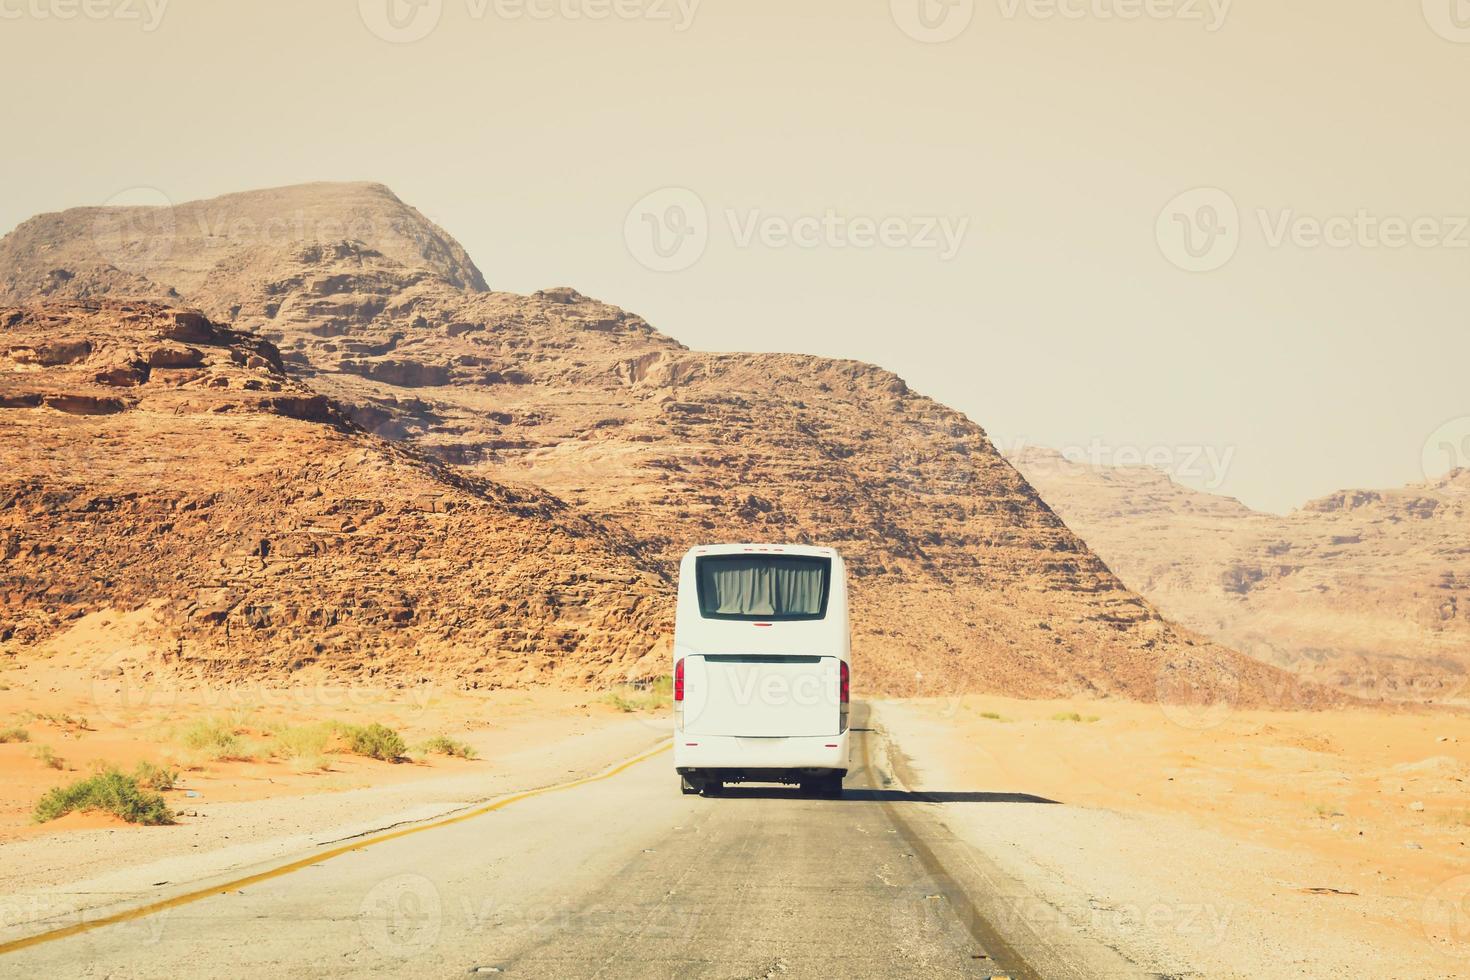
(844, 693)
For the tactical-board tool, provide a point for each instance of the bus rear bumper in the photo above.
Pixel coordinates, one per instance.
(737, 759)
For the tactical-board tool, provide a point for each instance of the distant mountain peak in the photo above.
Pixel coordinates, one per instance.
(181, 247)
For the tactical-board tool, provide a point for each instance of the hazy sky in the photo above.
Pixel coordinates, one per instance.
(993, 216)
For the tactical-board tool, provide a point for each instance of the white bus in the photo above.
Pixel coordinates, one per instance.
(762, 668)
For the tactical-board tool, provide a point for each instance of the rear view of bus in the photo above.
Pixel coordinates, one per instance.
(761, 668)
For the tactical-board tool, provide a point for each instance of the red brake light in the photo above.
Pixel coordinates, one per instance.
(679, 680)
(846, 684)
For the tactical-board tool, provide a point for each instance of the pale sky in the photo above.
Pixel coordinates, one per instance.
(1047, 147)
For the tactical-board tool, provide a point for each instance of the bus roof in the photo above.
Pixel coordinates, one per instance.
(768, 549)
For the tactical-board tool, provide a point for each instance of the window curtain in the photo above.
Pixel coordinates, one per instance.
(762, 587)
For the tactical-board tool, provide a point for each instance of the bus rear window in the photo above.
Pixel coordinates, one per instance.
(763, 587)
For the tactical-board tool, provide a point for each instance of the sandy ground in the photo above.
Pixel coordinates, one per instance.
(241, 813)
(1195, 843)
(1219, 844)
(616, 877)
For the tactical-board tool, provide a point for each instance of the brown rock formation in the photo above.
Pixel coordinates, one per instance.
(965, 580)
(1365, 590)
(273, 534)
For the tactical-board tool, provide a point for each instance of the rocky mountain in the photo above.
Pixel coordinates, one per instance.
(166, 462)
(964, 578)
(1368, 590)
(118, 249)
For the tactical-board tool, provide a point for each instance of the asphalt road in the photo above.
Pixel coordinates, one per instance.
(621, 877)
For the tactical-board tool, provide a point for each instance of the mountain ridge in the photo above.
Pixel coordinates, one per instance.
(176, 246)
(964, 578)
(1367, 590)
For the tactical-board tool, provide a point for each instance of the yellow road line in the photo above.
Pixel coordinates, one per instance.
(285, 869)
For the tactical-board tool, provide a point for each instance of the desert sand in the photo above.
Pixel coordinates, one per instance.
(86, 723)
(1194, 841)
(1214, 842)
(255, 809)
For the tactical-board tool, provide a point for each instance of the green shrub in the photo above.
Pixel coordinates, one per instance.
(110, 791)
(16, 734)
(155, 777)
(214, 739)
(443, 745)
(376, 742)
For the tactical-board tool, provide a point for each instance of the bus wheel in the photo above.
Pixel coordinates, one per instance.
(832, 787)
(713, 787)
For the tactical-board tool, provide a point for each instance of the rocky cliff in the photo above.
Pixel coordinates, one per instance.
(1367, 590)
(153, 459)
(964, 578)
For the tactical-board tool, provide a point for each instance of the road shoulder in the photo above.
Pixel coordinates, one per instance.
(62, 879)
